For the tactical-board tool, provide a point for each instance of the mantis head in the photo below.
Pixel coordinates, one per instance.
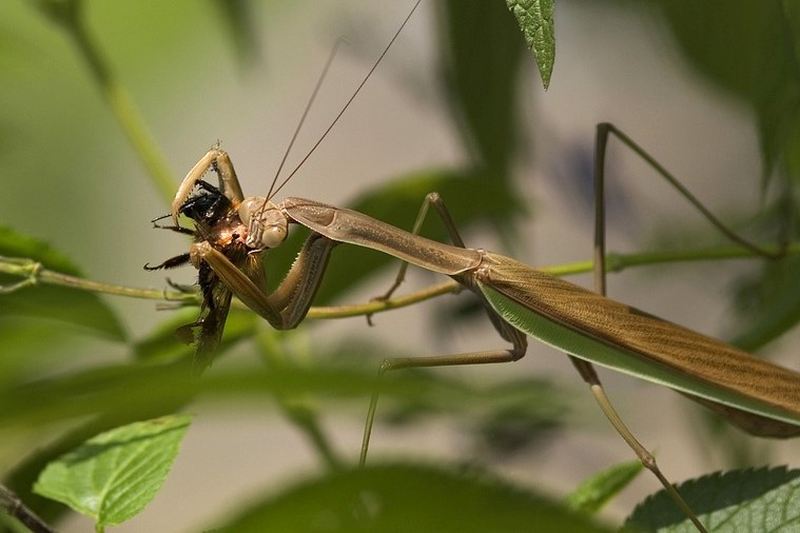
(267, 226)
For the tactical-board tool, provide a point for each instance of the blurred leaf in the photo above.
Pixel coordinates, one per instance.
(11, 525)
(28, 349)
(64, 12)
(593, 493)
(162, 346)
(237, 17)
(398, 203)
(749, 49)
(77, 308)
(740, 500)
(770, 304)
(407, 497)
(520, 414)
(535, 19)
(127, 389)
(481, 80)
(113, 476)
(14, 244)
(503, 419)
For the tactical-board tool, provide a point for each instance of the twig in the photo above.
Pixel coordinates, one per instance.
(11, 504)
(69, 14)
(33, 273)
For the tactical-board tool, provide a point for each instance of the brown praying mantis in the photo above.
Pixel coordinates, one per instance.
(233, 234)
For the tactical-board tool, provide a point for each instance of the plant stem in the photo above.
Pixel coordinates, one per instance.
(305, 419)
(297, 409)
(71, 18)
(11, 504)
(33, 273)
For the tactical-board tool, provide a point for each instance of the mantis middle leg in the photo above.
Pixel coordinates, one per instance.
(518, 340)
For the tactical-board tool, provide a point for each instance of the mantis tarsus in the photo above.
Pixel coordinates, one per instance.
(233, 233)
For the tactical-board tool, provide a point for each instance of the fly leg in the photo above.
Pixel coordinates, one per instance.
(176, 228)
(172, 262)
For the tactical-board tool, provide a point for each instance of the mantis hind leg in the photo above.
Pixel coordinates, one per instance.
(585, 369)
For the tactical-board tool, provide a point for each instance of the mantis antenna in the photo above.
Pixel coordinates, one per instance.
(345, 106)
(302, 120)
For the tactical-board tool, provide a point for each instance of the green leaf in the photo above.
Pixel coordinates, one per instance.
(535, 19)
(503, 419)
(82, 309)
(750, 50)
(124, 389)
(407, 497)
(773, 304)
(14, 244)
(25, 472)
(61, 11)
(521, 414)
(741, 500)
(11, 525)
(239, 21)
(481, 81)
(597, 490)
(112, 476)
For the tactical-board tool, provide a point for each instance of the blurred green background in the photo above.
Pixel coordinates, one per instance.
(711, 89)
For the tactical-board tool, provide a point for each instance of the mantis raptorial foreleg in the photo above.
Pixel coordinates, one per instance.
(285, 307)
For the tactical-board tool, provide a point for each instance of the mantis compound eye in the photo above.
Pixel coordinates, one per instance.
(267, 226)
(261, 236)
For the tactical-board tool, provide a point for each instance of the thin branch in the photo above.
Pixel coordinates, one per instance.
(11, 504)
(297, 410)
(71, 17)
(34, 273)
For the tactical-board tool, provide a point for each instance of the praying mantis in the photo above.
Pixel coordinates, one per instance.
(233, 234)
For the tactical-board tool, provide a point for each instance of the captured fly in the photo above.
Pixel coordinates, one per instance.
(216, 222)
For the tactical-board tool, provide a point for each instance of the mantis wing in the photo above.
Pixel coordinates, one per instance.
(761, 397)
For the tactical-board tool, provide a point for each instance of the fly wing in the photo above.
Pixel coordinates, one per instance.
(612, 334)
(212, 324)
(206, 332)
